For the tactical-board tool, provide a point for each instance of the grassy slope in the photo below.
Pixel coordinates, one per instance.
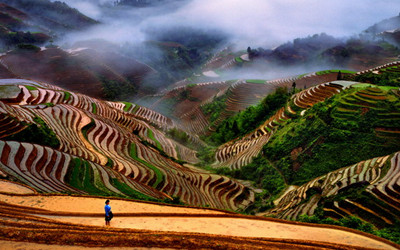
(333, 134)
(338, 132)
(329, 136)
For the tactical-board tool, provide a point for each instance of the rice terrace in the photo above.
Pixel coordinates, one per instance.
(139, 125)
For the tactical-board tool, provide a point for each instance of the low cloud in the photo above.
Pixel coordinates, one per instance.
(265, 23)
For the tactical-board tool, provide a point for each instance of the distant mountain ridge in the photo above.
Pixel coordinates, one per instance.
(55, 15)
(100, 74)
(38, 22)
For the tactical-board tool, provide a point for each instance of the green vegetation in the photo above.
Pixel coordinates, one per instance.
(130, 192)
(348, 221)
(214, 108)
(49, 104)
(326, 139)
(117, 90)
(15, 39)
(66, 95)
(336, 133)
(249, 119)
(206, 155)
(128, 105)
(94, 108)
(36, 133)
(151, 136)
(159, 175)
(391, 233)
(238, 59)
(359, 220)
(87, 127)
(110, 163)
(30, 88)
(179, 135)
(80, 175)
(386, 78)
(334, 71)
(83, 176)
(259, 81)
(263, 174)
(135, 109)
(186, 94)
(27, 47)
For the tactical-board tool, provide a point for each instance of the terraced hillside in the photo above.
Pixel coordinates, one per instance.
(388, 67)
(240, 152)
(38, 221)
(368, 190)
(193, 106)
(97, 73)
(58, 141)
(376, 177)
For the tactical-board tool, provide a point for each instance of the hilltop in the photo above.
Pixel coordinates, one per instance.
(38, 23)
(56, 16)
(98, 73)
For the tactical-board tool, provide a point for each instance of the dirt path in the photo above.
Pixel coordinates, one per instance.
(11, 187)
(15, 245)
(89, 211)
(234, 227)
(95, 205)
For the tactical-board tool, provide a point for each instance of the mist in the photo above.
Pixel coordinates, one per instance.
(271, 72)
(264, 23)
(254, 23)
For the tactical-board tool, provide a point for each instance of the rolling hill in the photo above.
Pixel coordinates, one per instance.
(303, 161)
(98, 73)
(102, 148)
(85, 146)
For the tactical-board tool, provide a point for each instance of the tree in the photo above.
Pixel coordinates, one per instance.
(250, 52)
(339, 76)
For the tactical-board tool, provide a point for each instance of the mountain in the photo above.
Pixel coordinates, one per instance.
(101, 74)
(58, 141)
(56, 16)
(38, 22)
(141, 3)
(196, 144)
(354, 53)
(384, 25)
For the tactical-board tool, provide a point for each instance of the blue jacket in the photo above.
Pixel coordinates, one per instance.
(107, 208)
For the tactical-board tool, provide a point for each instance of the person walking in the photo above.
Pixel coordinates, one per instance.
(109, 214)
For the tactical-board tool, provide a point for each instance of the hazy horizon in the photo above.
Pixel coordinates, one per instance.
(251, 23)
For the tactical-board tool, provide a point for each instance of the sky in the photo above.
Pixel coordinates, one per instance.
(264, 23)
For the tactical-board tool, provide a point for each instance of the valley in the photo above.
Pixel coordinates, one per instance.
(198, 143)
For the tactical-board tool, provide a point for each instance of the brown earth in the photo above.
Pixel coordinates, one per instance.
(11, 187)
(78, 220)
(12, 11)
(82, 72)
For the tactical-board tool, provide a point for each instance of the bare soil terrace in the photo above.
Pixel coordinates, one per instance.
(162, 223)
